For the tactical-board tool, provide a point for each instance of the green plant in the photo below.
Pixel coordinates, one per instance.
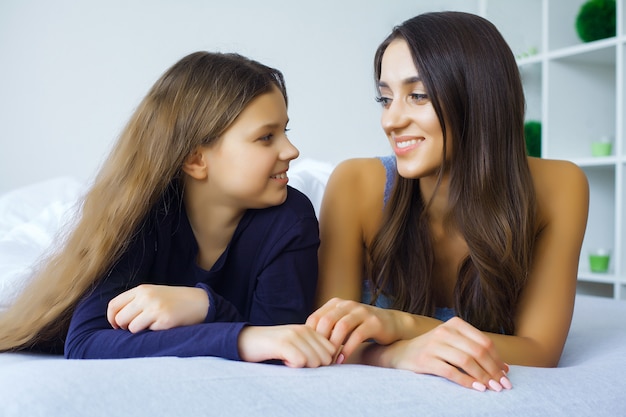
(532, 134)
(596, 20)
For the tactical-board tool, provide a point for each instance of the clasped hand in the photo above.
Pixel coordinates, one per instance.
(157, 307)
(454, 350)
(162, 307)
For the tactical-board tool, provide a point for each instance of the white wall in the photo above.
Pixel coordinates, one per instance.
(72, 71)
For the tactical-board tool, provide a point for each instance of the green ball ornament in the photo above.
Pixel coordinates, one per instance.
(596, 20)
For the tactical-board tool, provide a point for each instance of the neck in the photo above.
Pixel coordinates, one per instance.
(213, 223)
(437, 197)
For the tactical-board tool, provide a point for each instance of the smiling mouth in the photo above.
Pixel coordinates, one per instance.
(403, 143)
(281, 176)
(406, 144)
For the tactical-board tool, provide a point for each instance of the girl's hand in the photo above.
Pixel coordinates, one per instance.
(157, 307)
(349, 323)
(454, 350)
(296, 345)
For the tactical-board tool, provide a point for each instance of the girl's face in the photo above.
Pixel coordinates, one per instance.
(248, 163)
(408, 117)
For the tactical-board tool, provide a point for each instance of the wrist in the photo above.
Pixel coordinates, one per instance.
(414, 325)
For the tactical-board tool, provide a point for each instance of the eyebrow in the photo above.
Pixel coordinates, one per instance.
(411, 80)
(271, 125)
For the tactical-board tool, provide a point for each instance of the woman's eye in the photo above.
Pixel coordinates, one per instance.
(383, 101)
(418, 97)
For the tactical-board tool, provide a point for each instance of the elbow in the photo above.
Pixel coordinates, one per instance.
(545, 362)
(543, 359)
(77, 347)
(530, 352)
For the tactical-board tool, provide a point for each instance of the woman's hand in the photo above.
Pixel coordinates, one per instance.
(297, 345)
(454, 350)
(157, 307)
(349, 323)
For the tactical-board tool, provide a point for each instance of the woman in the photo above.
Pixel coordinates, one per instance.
(190, 242)
(477, 242)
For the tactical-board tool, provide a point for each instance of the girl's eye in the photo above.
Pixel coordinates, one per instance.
(383, 101)
(266, 138)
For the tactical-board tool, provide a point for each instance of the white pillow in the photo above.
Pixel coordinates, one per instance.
(30, 218)
(310, 177)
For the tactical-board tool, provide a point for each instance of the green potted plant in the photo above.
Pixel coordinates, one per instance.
(532, 134)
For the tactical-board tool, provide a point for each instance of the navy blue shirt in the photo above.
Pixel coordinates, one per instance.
(266, 276)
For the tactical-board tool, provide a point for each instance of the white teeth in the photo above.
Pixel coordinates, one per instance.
(406, 144)
(280, 176)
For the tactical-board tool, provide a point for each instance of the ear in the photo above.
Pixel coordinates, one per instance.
(195, 165)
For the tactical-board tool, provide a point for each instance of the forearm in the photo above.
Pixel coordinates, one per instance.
(212, 339)
(374, 354)
(412, 325)
(525, 351)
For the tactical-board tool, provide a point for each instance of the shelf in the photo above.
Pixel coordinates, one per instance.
(588, 276)
(597, 52)
(577, 91)
(596, 161)
(581, 105)
(598, 289)
(561, 21)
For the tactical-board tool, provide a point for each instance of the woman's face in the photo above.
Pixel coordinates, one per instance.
(248, 163)
(408, 117)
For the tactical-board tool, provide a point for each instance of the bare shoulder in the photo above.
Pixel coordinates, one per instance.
(360, 169)
(559, 185)
(354, 193)
(364, 177)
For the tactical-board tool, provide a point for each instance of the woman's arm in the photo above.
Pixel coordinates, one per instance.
(547, 303)
(544, 312)
(350, 215)
(545, 309)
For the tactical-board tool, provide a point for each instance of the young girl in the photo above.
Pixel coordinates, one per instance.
(190, 242)
(477, 241)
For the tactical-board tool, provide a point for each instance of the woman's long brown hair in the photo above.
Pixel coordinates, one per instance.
(189, 106)
(473, 81)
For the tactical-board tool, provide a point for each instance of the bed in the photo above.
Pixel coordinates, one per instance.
(589, 381)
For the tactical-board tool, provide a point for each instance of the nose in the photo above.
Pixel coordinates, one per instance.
(394, 116)
(288, 152)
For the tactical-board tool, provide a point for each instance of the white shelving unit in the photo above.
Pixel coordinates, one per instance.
(578, 92)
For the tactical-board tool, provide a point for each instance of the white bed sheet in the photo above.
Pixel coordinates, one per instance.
(590, 380)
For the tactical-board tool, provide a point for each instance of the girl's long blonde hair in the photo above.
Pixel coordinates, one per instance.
(189, 106)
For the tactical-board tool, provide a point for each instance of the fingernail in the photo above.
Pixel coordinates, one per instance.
(506, 383)
(479, 387)
(340, 358)
(495, 385)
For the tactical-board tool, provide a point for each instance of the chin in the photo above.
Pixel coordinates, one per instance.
(408, 172)
(271, 201)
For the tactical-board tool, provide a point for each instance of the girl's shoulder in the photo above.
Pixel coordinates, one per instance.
(297, 203)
